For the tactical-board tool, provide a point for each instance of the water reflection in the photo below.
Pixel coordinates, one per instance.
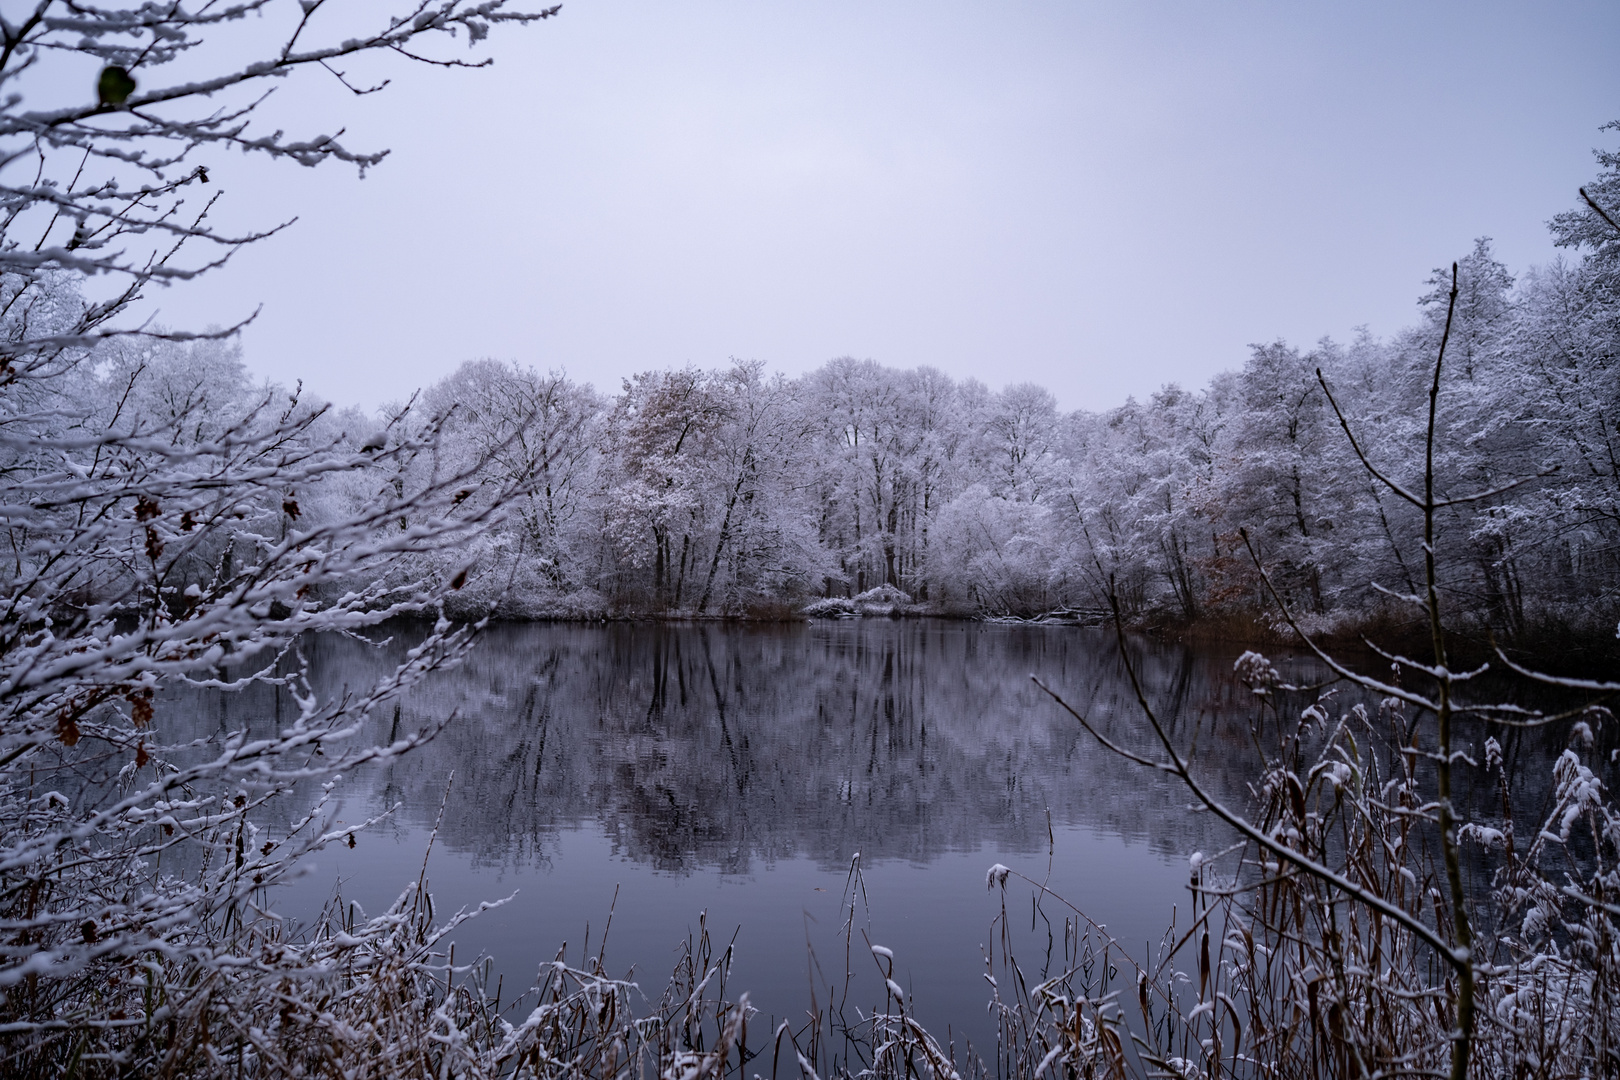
(719, 747)
(735, 770)
(705, 748)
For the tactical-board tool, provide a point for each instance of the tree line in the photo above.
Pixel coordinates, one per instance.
(735, 490)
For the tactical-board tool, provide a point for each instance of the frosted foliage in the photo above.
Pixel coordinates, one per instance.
(728, 491)
(732, 491)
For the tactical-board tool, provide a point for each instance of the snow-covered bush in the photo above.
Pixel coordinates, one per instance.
(885, 601)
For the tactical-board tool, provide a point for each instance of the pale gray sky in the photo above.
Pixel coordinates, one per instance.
(1100, 197)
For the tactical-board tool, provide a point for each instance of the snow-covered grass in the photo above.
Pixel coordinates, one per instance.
(1324, 944)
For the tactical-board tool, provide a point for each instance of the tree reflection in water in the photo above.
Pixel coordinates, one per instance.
(713, 747)
(737, 768)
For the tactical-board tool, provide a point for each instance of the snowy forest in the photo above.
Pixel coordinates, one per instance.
(736, 491)
(731, 490)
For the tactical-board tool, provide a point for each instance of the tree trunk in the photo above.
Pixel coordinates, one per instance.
(680, 579)
(658, 566)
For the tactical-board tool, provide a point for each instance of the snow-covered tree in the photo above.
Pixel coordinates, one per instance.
(541, 434)
(162, 527)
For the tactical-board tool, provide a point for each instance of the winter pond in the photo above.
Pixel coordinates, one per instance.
(736, 770)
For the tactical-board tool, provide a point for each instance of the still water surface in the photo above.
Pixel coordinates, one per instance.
(736, 770)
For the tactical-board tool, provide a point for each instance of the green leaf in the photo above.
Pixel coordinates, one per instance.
(115, 85)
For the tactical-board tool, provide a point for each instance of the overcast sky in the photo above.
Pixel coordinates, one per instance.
(1099, 197)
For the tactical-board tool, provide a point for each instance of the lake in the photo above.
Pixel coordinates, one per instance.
(665, 772)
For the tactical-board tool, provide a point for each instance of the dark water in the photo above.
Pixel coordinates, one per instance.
(735, 771)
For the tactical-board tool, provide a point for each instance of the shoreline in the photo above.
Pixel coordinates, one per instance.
(1553, 646)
